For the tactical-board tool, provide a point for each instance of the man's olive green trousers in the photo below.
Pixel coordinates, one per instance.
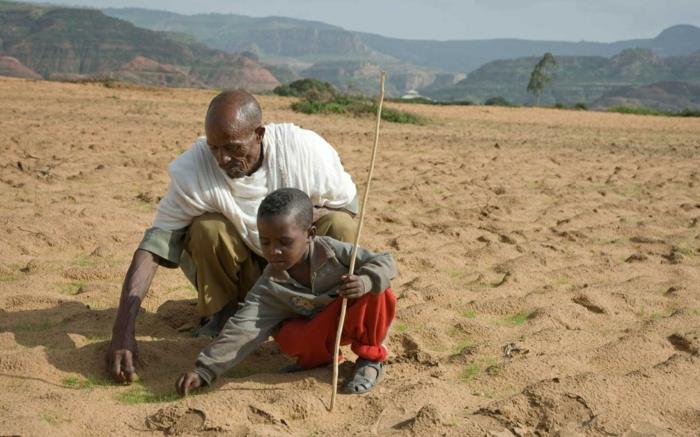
(226, 268)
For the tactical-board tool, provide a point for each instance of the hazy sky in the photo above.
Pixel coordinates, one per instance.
(569, 20)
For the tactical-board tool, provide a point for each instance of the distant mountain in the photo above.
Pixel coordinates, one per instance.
(575, 78)
(272, 38)
(661, 96)
(304, 48)
(307, 42)
(67, 43)
(466, 56)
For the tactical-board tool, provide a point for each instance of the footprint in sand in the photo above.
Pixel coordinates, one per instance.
(175, 421)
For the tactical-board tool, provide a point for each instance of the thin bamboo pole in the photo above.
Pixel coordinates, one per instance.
(351, 270)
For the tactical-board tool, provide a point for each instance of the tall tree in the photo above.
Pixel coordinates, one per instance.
(541, 75)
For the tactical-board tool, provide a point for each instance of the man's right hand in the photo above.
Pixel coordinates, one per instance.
(121, 359)
(123, 351)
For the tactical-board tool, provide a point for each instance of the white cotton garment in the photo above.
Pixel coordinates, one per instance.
(292, 158)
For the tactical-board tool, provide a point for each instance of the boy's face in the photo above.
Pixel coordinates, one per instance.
(283, 241)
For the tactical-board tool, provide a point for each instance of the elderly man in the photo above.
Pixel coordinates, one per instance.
(206, 223)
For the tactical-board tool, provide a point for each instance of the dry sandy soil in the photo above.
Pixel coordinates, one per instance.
(549, 273)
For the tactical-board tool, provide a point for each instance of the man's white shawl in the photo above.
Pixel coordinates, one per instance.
(292, 158)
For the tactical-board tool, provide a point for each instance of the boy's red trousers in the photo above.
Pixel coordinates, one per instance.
(367, 322)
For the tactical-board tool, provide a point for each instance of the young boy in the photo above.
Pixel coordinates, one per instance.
(299, 296)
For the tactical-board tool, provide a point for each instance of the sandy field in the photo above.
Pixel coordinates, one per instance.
(549, 273)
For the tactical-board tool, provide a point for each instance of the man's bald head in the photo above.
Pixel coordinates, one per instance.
(235, 113)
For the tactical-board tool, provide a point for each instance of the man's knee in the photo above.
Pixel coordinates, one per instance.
(338, 225)
(211, 230)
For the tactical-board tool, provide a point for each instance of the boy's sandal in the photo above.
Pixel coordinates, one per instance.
(359, 382)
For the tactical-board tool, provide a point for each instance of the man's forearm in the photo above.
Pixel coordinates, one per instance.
(136, 283)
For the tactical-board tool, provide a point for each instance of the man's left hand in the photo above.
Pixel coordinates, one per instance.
(320, 212)
(352, 287)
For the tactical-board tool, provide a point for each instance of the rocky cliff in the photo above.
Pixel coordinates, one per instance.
(12, 67)
(68, 43)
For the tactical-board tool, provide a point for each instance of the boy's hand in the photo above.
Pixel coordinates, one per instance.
(186, 382)
(352, 287)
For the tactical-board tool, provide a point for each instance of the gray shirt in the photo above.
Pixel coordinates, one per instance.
(276, 297)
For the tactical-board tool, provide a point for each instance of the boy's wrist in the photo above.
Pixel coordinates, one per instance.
(205, 375)
(367, 282)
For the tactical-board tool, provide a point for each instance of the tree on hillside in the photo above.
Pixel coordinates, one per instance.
(541, 75)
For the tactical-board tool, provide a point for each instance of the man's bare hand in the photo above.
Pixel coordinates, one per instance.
(121, 360)
(320, 212)
(186, 382)
(123, 353)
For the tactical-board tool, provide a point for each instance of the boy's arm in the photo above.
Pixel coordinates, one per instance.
(242, 333)
(376, 270)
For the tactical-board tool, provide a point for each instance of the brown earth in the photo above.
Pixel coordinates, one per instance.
(549, 280)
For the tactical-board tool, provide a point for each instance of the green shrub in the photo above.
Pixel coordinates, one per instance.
(689, 113)
(581, 106)
(635, 110)
(647, 111)
(457, 103)
(395, 116)
(497, 101)
(356, 106)
(312, 89)
(559, 105)
(427, 101)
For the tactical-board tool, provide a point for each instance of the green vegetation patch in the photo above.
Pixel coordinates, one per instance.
(401, 327)
(471, 371)
(657, 315)
(647, 111)
(312, 89)
(482, 365)
(77, 383)
(577, 107)
(427, 101)
(469, 314)
(462, 346)
(515, 319)
(97, 338)
(498, 101)
(356, 106)
(72, 288)
(319, 97)
(8, 277)
(50, 418)
(139, 394)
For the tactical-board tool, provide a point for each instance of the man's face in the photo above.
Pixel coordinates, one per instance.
(283, 241)
(236, 154)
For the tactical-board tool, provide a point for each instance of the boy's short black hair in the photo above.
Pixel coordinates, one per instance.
(288, 201)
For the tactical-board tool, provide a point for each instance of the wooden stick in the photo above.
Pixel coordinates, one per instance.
(351, 270)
